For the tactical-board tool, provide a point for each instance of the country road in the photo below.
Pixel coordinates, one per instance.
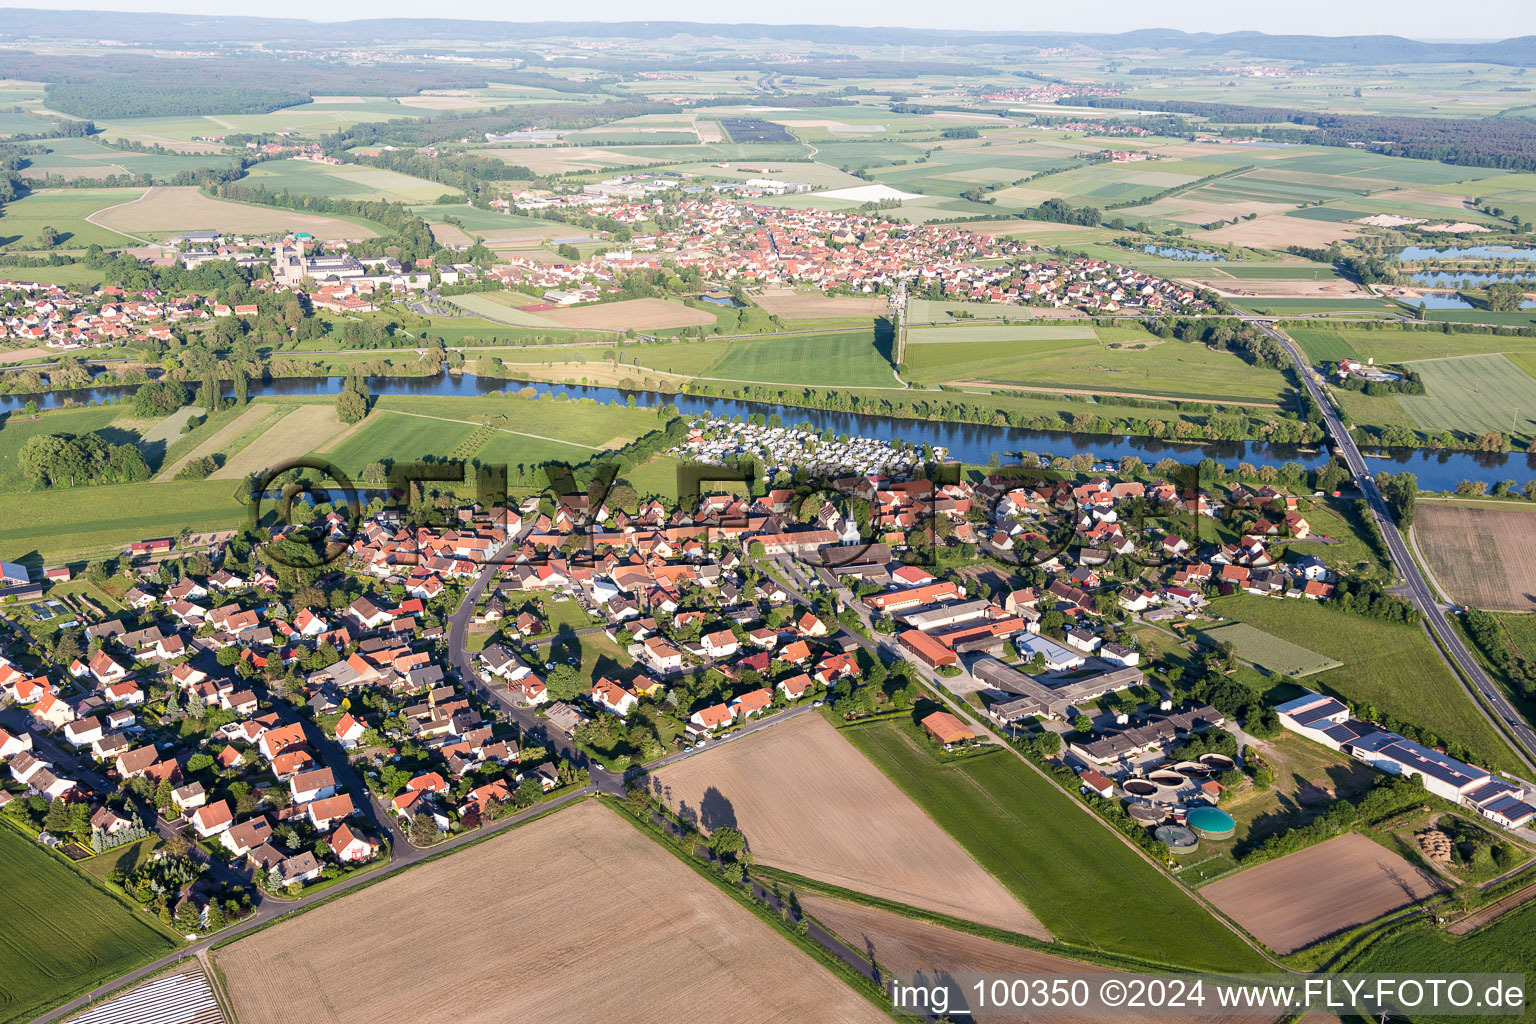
(1417, 588)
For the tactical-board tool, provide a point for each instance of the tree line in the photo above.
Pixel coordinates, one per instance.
(1472, 142)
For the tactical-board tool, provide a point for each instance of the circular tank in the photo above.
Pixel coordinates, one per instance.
(1164, 777)
(1211, 823)
(1140, 787)
(1217, 762)
(1147, 814)
(1192, 770)
(1177, 838)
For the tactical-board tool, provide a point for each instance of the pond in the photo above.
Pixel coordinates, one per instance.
(1169, 252)
(968, 442)
(1474, 252)
(1465, 279)
(1440, 300)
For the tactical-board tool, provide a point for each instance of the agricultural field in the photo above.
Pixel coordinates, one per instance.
(72, 159)
(502, 307)
(70, 212)
(838, 820)
(388, 437)
(1274, 655)
(61, 935)
(1126, 361)
(640, 314)
(1050, 853)
(1389, 666)
(414, 945)
(791, 305)
(1483, 555)
(165, 211)
(347, 181)
(302, 430)
(1506, 944)
(88, 522)
(845, 359)
(1473, 394)
(1292, 902)
(252, 420)
(905, 945)
(1323, 346)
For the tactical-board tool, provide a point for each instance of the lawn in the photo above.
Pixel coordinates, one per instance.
(59, 935)
(1053, 856)
(1473, 394)
(1394, 668)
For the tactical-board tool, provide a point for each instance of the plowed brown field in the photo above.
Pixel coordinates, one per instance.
(578, 917)
(1483, 556)
(1308, 895)
(810, 803)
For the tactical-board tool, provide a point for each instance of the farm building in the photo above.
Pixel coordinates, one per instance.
(947, 729)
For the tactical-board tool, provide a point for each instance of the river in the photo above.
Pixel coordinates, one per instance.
(968, 442)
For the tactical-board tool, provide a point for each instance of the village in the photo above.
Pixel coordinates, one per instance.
(289, 731)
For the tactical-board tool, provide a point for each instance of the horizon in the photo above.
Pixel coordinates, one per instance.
(1198, 16)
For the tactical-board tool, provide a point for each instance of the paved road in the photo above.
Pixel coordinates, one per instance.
(1417, 589)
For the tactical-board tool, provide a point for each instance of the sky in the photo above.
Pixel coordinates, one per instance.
(1421, 19)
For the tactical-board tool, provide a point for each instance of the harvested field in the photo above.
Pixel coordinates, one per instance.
(1275, 232)
(22, 355)
(247, 420)
(799, 305)
(303, 430)
(1482, 555)
(903, 945)
(478, 937)
(1328, 288)
(1308, 895)
(163, 209)
(450, 234)
(168, 428)
(837, 819)
(641, 314)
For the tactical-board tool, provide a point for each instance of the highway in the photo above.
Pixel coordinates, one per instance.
(1419, 590)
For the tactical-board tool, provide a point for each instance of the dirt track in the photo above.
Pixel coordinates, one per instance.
(810, 803)
(576, 917)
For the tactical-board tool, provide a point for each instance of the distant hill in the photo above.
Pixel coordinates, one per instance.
(22, 25)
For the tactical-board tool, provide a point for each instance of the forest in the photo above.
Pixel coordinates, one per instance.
(1508, 143)
(115, 86)
(452, 127)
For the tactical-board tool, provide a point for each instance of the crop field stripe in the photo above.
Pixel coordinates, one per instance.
(999, 808)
